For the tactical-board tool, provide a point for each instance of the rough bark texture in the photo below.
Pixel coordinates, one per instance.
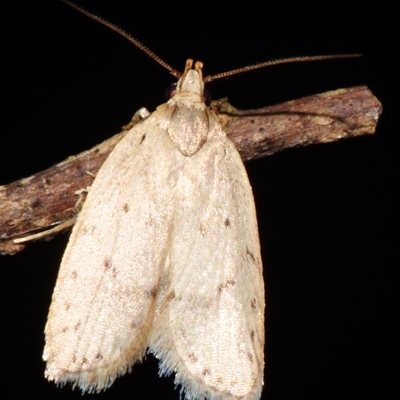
(47, 199)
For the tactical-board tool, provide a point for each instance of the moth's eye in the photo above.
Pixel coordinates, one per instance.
(207, 96)
(170, 91)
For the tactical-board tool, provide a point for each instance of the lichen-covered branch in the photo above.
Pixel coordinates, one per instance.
(49, 198)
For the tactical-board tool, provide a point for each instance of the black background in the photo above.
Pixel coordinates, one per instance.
(327, 213)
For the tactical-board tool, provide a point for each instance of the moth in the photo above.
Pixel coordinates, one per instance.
(164, 257)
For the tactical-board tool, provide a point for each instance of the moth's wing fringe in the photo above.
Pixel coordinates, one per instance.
(105, 297)
(210, 328)
(92, 381)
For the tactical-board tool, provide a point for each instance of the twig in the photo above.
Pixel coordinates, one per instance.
(47, 199)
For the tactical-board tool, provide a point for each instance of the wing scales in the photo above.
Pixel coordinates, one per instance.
(104, 300)
(210, 328)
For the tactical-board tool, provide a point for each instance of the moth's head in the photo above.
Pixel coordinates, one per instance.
(191, 79)
(191, 82)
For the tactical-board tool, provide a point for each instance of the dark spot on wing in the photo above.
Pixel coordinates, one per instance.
(252, 335)
(170, 296)
(248, 252)
(250, 357)
(74, 274)
(142, 139)
(192, 357)
(110, 267)
(227, 222)
(67, 306)
(253, 303)
(206, 372)
(76, 327)
(126, 207)
(133, 325)
(63, 330)
(226, 284)
(107, 263)
(73, 359)
(202, 229)
(261, 129)
(99, 356)
(152, 292)
(84, 360)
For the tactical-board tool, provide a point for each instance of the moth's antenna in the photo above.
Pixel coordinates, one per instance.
(275, 62)
(209, 78)
(126, 35)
